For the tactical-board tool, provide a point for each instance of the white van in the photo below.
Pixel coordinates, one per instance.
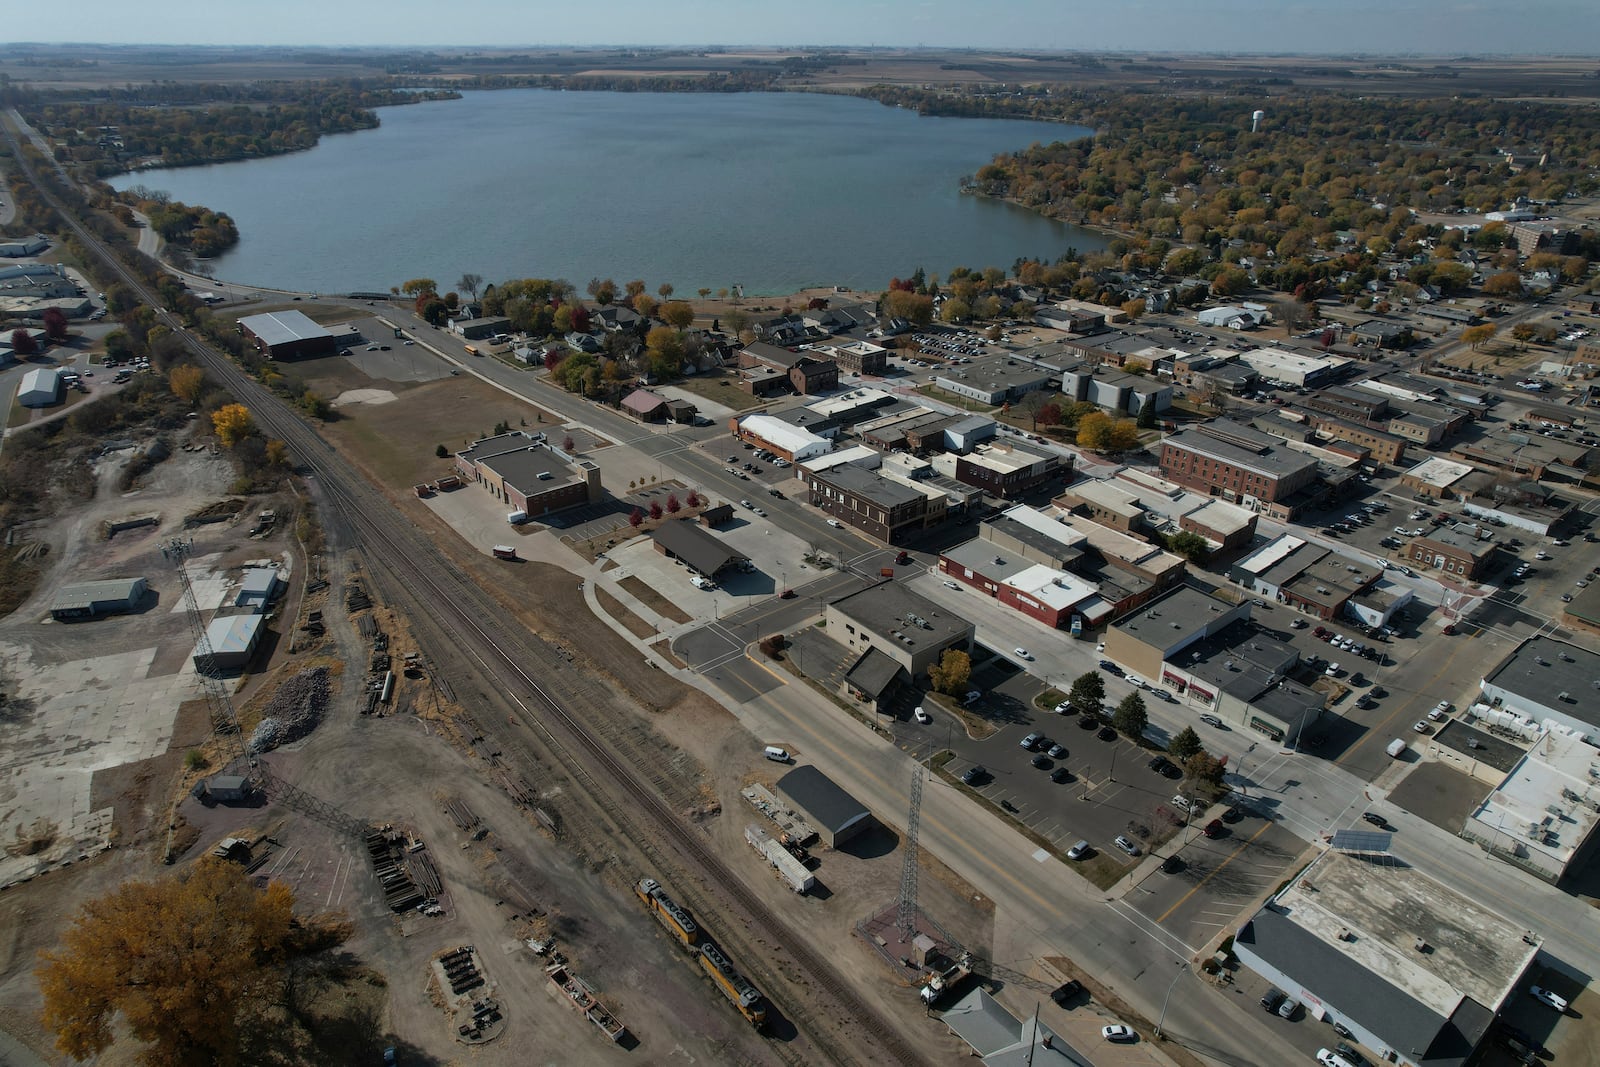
(516, 518)
(776, 754)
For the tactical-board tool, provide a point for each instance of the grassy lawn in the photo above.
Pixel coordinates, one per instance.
(962, 402)
(654, 600)
(721, 388)
(1047, 700)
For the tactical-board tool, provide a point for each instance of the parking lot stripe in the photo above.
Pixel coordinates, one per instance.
(1217, 870)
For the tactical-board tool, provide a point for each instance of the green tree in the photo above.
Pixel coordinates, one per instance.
(1087, 691)
(952, 673)
(953, 310)
(1147, 417)
(1131, 717)
(1190, 545)
(441, 451)
(190, 963)
(1184, 744)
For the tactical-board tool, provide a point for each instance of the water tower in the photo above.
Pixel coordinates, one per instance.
(1255, 120)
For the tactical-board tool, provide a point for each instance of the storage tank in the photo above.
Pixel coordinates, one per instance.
(1255, 120)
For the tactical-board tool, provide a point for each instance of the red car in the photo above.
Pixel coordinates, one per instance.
(1213, 828)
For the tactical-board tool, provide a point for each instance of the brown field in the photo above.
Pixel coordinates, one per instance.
(395, 442)
(1559, 79)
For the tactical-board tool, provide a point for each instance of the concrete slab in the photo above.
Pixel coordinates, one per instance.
(79, 717)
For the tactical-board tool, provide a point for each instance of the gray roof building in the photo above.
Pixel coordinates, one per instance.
(912, 629)
(1549, 680)
(275, 328)
(836, 814)
(1003, 1040)
(83, 600)
(699, 549)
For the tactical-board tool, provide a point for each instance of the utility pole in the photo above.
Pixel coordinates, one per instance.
(1167, 999)
(224, 719)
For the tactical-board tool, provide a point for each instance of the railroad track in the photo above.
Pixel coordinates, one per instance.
(389, 539)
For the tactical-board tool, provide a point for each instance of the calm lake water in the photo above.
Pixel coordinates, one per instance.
(774, 191)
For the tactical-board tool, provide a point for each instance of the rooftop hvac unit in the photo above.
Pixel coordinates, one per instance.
(1421, 945)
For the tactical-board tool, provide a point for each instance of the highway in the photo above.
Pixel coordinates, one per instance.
(529, 673)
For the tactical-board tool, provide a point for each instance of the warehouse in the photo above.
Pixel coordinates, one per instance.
(700, 550)
(40, 388)
(287, 335)
(836, 814)
(256, 591)
(233, 640)
(88, 600)
(793, 443)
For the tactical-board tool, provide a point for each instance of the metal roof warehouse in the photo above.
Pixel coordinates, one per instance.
(837, 815)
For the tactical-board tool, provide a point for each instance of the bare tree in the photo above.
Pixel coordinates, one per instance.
(470, 284)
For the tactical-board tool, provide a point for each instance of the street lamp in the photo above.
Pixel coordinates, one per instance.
(1181, 968)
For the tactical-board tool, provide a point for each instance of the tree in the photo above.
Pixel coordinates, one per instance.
(604, 292)
(1506, 283)
(665, 290)
(55, 324)
(704, 292)
(954, 310)
(635, 518)
(1147, 417)
(568, 444)
(1204, 767)
(1087, 691)
(1123, 436)
(1094, 431)
(1474, 336)
(22, 342)
(655, 509)
(276, 453)
(1190, 545)
(191, 963)
(1131, 717)
(664, 347)
(678, 314)
(441, 451)
(1134, 309)
(673, 505)
(417, 286)
(644, 305)
(233, 423)
(1048, 415)
(1184, 744)
(693, 499)
(187, 381)
(470, 284)
(951, 674)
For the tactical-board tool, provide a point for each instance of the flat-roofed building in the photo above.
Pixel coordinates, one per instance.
(1157, 632)
(1382, 447)
(1241, 465)
(478, 329)
(1226, 527)
(1007, 470)
(1295, 368)
(794, 443)
(1357, 405)
(1436, 477)
(887, 510)
(911, 629)
(1455, 550)
(1550, 682)
(233, 640)
(807, 373)
(288, 335)
(1541, 816)
(528, 475)
(857, 357)
(1412, 968)
(993, 381)
(1303, 574)
(1382, 333)
(1105, 503)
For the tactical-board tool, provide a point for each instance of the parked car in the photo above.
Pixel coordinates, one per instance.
(1212, 720)
(1031, 742)
(1058, 751)
(1078, 851)
(1547, 998)
(922, 716)
(1041, 761)
(836, 524)
(1125, 845)
(1060, 775)
(1421, 727)
(1374, 818)
(1272, 999)
(972, 775)
(1065, 708)
(1118, 1033)
(1214, 828)
(1072, 988)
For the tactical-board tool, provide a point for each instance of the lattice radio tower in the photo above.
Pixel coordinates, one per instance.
(906, 919)
(219, 702)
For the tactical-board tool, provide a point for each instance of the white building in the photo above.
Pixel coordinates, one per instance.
(1551, 682)
(40, 388)
(1542, 816)
(791, 441)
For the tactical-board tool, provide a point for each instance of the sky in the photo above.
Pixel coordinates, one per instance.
(1463, 27)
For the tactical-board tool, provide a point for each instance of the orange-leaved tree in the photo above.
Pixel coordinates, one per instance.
(186, 380)
(190, 962)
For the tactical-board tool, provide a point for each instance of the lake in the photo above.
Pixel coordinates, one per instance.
(772, 191)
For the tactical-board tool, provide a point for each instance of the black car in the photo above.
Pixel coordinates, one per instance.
(1172, 770)
(1349, 1054)
(1107, 734)
(1041, 761)
(1060, 774)
(1088, 722)
(1271, 999)
(972, 774)
(1159, 763)
(1110, 668)
(1374, 818)
(1066, 992)
(1233, 814)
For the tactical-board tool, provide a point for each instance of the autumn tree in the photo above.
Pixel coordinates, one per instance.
(1506, 283)
(55, 324)
(673, 504)
(277, 453)
(635, 518)
(1474, 336)
(1204, 767)
(1131, 717)
(693, 499)
(644, 305)
(603, 292)
(186, 382)
(678, 314)
(1123, 436)
(190, 963)
(1094, 431)
(634, 288)
(1134, 309)
(951, 674)
(415, 286)
(655, 509)
(233, 423)
(22, 343)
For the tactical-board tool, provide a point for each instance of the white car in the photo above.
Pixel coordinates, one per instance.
(1332, 671)
(1022, 653)
(747, 504)
(1118, 1033)
(922, 716)
(1544, 996)
(1440, 710)
(948, 584)
(836, 524)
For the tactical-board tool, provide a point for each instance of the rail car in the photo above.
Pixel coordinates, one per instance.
(735, 986)
(668, 912)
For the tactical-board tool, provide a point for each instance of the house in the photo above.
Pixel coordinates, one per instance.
(645, 406)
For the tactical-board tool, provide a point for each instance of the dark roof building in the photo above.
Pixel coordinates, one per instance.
(645, 406)
(912, 630)
(529, 474)
(836, 814)
(1546, 680)
(700, 550)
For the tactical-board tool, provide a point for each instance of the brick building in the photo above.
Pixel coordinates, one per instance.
(528, 475)
(1455, 551)
(1239, 464)
(807, 373)
(889, 511)
(1007, 471)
